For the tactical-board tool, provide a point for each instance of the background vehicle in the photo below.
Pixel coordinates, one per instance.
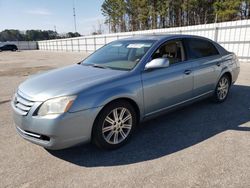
(127, 81)
(8, 47)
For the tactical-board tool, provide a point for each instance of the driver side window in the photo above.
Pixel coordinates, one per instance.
(173, 50)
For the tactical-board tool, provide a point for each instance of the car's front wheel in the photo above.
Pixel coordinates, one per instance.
(222, 89)
(114, 125)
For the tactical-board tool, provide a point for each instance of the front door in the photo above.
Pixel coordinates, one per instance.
(166, 87)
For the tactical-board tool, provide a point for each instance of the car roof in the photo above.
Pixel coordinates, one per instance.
(162, 37)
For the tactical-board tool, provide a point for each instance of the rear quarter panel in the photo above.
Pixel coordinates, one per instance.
(230, 63)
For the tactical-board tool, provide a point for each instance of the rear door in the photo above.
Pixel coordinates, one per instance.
(165, 87)
(206, 62)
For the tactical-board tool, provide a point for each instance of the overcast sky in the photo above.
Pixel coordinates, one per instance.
(45, 14)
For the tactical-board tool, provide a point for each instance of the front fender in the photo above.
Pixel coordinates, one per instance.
(101, 95)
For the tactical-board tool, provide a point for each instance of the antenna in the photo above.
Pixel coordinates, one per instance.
(74, 14)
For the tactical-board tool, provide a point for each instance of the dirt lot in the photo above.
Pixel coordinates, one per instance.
(203, 145)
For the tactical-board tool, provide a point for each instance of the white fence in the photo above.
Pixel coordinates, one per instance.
(234, 36)
(23, 45)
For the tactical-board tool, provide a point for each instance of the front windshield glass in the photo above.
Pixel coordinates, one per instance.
(122, 55)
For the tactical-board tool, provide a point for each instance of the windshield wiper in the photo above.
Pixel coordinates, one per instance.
(99, 66)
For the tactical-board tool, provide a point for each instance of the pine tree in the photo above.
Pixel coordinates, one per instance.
(227, 9)
(133, 15)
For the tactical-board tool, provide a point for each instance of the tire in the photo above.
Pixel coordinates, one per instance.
(114, 125)
(222, 89)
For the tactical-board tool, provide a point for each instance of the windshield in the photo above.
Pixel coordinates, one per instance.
(122, 55)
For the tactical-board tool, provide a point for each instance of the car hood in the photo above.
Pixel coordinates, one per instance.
(65, 81)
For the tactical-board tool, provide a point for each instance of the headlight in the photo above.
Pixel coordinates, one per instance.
(56, 106)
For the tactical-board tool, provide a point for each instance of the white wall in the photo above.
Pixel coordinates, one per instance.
(23, 45)
(234, 36)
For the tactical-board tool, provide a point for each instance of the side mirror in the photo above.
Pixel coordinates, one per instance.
(157, 64)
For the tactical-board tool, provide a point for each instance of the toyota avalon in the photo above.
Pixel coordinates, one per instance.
(103, 98)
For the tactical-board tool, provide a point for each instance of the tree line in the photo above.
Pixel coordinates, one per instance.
(33, 35)
(133, 15)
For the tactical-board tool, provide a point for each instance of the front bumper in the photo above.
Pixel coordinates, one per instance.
(55, 131)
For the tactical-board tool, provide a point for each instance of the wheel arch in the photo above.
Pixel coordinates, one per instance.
(225, 71)
(229, 76)
(129, 100)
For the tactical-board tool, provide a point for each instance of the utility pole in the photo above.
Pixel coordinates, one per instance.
(55, 31)
(74, 14)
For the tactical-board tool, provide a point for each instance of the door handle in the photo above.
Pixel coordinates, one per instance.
(187, 72)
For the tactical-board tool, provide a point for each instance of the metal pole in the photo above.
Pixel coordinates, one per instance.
(78, 45)
(86, 45)
(66, 45)
(94, 43)
(74, 14)
(216, 34)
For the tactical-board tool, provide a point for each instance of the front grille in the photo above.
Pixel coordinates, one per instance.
(22, 105)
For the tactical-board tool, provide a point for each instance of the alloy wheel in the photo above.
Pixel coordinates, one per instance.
(117, 125)
(223, 87)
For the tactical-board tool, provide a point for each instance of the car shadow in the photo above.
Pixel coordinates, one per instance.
(170, 133)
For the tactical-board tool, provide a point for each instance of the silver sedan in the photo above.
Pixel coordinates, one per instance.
(103, 98)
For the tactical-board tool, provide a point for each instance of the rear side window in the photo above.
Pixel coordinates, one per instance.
(198, 48)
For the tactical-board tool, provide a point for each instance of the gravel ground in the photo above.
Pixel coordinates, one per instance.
(203, 145)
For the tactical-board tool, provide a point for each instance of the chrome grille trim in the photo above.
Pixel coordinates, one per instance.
(22, 107)
(23, 113)
(23, 101)
(22, 104)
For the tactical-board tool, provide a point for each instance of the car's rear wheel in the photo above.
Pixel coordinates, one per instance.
(222, 89)
(114, 125)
